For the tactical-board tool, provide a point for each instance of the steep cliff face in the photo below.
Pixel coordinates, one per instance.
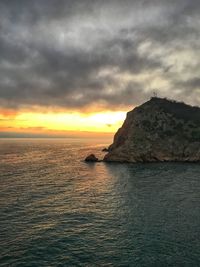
(158, 130)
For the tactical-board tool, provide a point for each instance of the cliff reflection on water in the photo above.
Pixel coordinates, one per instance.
(56, 210)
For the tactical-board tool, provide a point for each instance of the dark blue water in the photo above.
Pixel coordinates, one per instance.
(56, 210)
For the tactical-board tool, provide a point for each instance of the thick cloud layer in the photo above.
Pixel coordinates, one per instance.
(73, 54)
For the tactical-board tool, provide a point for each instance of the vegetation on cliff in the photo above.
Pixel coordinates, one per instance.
(158, 130)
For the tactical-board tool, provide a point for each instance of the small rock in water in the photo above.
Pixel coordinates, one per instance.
(91, 158)
(105, 150)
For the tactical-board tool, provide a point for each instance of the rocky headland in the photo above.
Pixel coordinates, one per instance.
(157, 131)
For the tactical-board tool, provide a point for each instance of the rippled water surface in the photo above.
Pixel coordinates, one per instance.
(56, 210)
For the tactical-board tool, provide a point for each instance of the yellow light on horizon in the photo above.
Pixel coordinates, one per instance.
(107, 121)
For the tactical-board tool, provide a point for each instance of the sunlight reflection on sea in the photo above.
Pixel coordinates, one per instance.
(56, 210)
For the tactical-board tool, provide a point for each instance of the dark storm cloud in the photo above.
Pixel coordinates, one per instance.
(71, 54)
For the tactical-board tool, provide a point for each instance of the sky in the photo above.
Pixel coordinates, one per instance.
(74, 67)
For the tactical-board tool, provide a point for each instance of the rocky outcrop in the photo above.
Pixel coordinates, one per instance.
(159, 130)
(105, 150)
(91, 158)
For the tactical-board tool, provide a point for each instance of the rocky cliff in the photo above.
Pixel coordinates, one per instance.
(158, 130)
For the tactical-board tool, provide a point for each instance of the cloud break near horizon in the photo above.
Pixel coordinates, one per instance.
(73, 66)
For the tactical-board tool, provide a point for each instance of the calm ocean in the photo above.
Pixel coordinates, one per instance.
(56, 210)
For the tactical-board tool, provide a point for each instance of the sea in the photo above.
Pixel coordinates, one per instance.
(57, 210)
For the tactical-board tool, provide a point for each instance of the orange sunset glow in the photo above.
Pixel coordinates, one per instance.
(62, 122)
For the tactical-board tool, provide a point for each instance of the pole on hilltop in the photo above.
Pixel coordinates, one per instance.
(155, 94)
